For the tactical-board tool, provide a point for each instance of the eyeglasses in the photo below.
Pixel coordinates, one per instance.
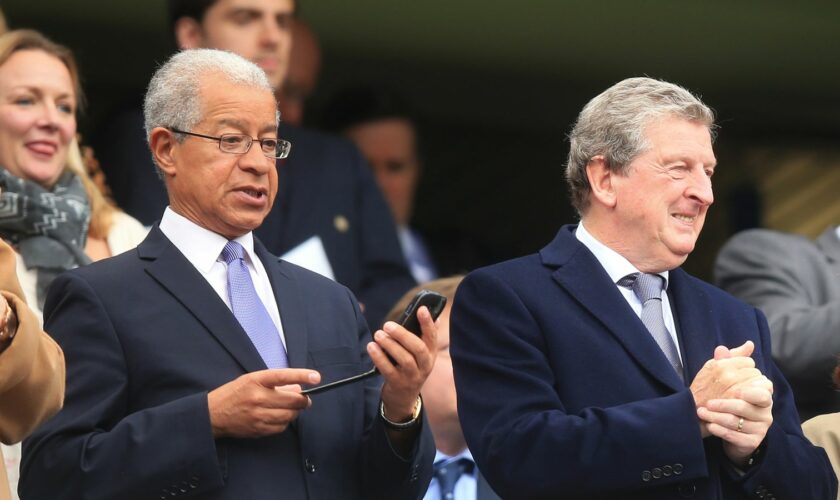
(241, 144)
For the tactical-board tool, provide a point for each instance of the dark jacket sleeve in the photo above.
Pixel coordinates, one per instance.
(98, 447)
(788, 466)
(387, 474)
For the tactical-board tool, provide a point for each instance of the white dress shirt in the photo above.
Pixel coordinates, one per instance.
(203, 248)
(618, 267)
(466, 488)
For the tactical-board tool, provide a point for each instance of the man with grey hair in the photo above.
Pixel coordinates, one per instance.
(597, 368)
(330, 216)
(186, 356)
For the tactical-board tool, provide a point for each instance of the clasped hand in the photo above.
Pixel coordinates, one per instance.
(734, 401)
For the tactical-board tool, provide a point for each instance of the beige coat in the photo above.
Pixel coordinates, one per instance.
(31, 369)
(824, 431)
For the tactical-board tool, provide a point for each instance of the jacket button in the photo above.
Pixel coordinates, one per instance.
(687, 490)
(678, 469)
(656, 473)
(309, 466)
(646, 476)
(667, 470)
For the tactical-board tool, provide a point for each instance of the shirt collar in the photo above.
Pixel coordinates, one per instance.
(440, 456)
(613, 262)
(199, 245)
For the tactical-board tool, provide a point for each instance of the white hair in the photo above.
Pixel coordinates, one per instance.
(173, 100)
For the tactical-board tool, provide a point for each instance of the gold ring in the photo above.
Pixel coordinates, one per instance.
(740, 424)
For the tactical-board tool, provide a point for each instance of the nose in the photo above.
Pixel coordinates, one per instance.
(48, 117)
(270, 34)
(700, 188)
(255, 161)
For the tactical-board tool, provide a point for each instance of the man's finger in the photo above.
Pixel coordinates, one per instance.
(284, 376)
(721, 352)
(381, 361)
(410, 341)
(743, 350)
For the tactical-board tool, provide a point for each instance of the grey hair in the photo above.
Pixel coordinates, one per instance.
(173, 100)
(613, 125)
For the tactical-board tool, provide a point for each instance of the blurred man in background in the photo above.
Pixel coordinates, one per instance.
(379, 122)
(796, 282)
(302, 76)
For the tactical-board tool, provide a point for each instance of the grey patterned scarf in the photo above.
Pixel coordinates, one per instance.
(48, 227)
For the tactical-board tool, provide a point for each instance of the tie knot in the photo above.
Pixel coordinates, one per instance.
(232, 252)
(447, 472)
(646, 286)
(455, 468)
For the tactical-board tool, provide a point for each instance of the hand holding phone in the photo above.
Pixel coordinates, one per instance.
(434, 301)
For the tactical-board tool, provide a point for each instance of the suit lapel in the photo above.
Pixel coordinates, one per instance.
(168, 266)
(292, 313)
(699, 334)
(485, 492)
(580, 273)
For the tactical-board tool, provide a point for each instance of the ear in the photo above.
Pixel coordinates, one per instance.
(188, 33)
(601, 181)
(162, 143)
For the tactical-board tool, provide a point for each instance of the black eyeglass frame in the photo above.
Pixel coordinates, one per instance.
(281, 150)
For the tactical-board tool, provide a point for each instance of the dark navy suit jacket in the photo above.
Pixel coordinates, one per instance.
(563, 393)
(326, 189)
(146, 338)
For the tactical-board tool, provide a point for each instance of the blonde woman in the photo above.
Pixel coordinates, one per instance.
(51, 213)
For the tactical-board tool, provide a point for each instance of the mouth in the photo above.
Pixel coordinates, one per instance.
(685, 219)
(254, 194)
(42, 148)
(267, 63)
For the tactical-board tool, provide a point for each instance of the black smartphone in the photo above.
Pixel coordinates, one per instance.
(432, 300)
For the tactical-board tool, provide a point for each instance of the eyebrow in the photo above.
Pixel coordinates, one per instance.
(251, 11)
(37, 90)
(239, 124)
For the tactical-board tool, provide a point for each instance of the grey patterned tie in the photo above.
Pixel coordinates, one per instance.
(648, 288)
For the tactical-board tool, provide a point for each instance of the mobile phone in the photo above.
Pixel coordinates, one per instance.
(434, 301)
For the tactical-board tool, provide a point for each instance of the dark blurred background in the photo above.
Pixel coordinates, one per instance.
(497, 85)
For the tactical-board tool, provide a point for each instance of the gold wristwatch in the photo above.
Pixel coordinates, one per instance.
(401, 426)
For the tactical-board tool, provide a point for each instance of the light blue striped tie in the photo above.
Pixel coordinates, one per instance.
(249, 309)
(648, 288)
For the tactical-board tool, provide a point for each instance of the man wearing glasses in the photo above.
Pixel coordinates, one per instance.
(330, 215)
(186, 356)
